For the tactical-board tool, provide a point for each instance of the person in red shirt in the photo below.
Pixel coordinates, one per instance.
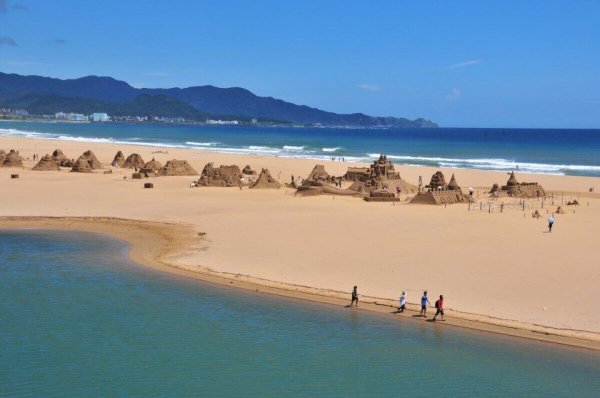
(439, 306)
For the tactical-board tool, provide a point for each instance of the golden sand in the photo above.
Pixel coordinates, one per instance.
(499, 268)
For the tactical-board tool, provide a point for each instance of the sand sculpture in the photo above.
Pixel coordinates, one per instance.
(248, 171)
(47, 163)
(224, 176)
(514, 188)
(92, 160)
(152, 166)
(440, 193)
(265, 180)
(438, 181)
(380, 175)
(2, 156)
(381, 195)
(12, 159)
(118, 160)
(81, 165)
(318, 173)
(61, 159)
(177, 168)
(134, 161)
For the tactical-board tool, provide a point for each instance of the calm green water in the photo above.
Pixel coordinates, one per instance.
(78, 319)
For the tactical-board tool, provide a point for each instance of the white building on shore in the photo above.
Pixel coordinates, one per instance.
(100, 117)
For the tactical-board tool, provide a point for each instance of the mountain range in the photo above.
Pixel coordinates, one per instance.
(45, 95)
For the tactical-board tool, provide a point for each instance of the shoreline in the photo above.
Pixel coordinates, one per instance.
(353, 159)
(158, 244)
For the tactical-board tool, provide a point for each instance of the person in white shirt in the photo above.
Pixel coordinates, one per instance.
(402, 302)
(550, 223)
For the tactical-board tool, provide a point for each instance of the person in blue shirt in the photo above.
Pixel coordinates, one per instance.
(424, 302)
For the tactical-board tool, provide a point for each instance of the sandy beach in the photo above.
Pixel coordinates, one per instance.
(500, 271)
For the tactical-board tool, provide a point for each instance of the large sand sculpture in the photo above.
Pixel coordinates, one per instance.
(223, 176)
(81, 165)
(61, 159)
(514, 188)
(118, 160)
(12, 159)
(92, 160)
(380, 175)
(134, 161)
(441, 193)
(47, 163)
(177, 168)
(265, 181)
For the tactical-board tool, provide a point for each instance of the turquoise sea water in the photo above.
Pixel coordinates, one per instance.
(77, 318)
(571, 152)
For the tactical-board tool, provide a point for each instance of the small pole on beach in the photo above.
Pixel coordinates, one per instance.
(489, 209)
(480, 205)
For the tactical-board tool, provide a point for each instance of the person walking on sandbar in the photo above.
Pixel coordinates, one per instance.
(439, 307)
(550, 223)
(354, 297)
(402, 302)
(424, 302)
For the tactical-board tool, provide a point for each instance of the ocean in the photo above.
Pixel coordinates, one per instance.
(561, 152)
(78, 318)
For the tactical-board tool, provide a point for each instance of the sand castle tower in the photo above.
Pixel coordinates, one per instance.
(47, 163)
(265, 181)
(2, 156)
(81, 165)
(134, 161)
(438, 181)
(177, 168)
(118, 160)
(12, 159)
(91, 158)
(453, 185)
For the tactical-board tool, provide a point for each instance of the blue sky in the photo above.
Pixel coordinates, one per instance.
(459, 63)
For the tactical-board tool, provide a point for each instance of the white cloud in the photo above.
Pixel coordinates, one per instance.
(453, 96)
(369, 87)
(156, 74)
(465, 63)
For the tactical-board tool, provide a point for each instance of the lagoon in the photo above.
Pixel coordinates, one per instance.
(78, 318)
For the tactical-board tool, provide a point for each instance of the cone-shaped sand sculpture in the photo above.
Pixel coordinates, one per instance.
(152, 165)
(92, 160)
(12, 159)
(47, 163)
(177, 168)
(134, 161)
(82, 165)
(61, 159)
(453, 185)
(118, 160)
(265, 181)
(318, 173)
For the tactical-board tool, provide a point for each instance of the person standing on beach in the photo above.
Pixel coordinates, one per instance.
(550, 223)
(402, 302)
(439, 306)
(354, 297)
(424, 302)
